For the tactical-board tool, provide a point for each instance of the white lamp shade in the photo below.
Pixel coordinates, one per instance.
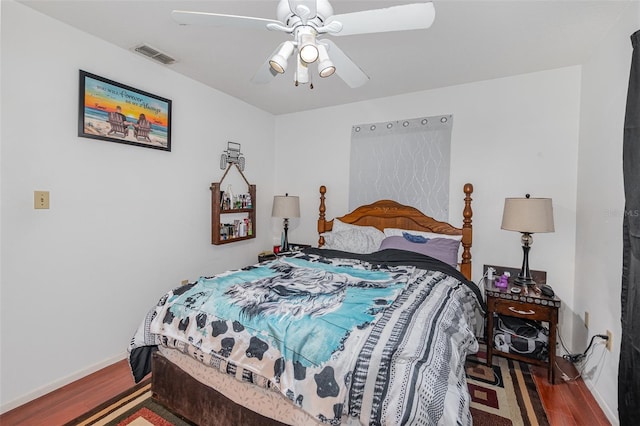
(530, 215)
(285, 206)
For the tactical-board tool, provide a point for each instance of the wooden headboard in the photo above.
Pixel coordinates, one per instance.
(390, 214)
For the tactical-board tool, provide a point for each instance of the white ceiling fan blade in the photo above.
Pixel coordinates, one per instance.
(218, 20)
(397, 18)
(345, 67)
(265, 73)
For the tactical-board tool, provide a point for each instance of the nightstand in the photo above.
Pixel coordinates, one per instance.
(269, 255)
(296, 247)
(266, 255)
(530, 306)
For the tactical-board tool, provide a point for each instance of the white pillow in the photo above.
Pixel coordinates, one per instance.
(353, 238)
(339, 226)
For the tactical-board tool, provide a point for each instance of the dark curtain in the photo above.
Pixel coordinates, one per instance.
(629, 369)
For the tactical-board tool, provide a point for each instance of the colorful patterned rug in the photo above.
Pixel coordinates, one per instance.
(134, 407)
(502, 395)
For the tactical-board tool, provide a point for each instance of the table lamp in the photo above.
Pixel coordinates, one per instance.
(527, 215)
(285, 207)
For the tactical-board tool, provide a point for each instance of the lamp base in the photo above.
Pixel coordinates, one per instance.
(285, 241)
(520, 280)
(524, 277)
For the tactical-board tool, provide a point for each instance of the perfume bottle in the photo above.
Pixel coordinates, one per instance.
(229, 197)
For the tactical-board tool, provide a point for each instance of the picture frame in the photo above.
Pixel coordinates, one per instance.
(115, 112)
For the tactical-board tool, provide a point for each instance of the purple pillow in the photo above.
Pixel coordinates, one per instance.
(443, 249)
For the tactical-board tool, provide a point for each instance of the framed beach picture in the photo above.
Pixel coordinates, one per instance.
(114, 112)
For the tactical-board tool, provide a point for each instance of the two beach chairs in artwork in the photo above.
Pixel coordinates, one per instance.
(120, 127)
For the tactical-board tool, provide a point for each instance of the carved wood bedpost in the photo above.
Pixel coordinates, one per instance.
(467, 232)
(321, 219)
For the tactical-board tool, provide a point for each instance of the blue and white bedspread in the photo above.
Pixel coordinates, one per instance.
(375, 338)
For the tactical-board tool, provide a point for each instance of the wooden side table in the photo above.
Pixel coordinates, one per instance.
(264, 256)
(529, 306)
(270, 255)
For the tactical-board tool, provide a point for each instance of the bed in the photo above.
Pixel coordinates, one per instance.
(325, 335)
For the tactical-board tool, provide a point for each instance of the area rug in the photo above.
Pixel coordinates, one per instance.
(502, 395)
(134, 407)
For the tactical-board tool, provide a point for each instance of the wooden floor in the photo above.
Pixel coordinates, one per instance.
(73, 400)
(566, 403)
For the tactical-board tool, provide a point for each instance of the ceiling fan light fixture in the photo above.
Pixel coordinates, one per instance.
(307, 44)
(280, 60)
(309, 53)
(306, 21)
(277, 65)
(326, 68)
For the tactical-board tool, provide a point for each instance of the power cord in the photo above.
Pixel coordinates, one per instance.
(579, 360)
(482, 281)
(562, 342)
(565, 376)
(573, 358)
(580, 367)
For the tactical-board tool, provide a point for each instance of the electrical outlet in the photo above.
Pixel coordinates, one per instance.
(609, 340)
(40, 199)
(586, 319)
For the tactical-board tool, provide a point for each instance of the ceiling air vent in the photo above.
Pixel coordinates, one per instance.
(155, 54)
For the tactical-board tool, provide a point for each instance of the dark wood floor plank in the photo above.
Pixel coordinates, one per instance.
(72, 400)
(568, 402)
(559, 418)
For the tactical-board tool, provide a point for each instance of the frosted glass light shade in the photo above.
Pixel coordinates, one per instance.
(306, 38)
(309, 53)
(279, 61)
(326, 67)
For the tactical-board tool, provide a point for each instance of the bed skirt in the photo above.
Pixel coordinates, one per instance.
(196, 402)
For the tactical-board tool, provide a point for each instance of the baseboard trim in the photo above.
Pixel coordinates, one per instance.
(60, 383)
(611, 416)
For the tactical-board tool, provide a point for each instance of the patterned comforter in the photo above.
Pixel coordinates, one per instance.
(379, 338)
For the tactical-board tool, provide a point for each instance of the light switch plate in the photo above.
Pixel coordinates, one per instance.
(40, 199)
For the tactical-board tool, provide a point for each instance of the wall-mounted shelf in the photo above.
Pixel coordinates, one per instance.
(229, 225)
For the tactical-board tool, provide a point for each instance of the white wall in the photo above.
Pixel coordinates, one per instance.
(510, 136)
(126, 223)
(600, 206)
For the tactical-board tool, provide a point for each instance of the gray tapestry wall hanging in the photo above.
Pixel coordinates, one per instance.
(406, 161)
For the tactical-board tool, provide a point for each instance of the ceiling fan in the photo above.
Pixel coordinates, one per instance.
(308, 21)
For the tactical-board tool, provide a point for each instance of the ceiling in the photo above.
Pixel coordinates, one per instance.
(469, 41)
